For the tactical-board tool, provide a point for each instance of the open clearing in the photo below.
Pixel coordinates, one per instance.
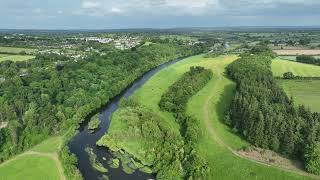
(41, 162)
(4, 57)
(292, 52)
(298, 69)
(306, 92)
(16, 50)
(218, 144)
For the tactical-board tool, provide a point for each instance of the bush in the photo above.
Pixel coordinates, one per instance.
(94, 122)
(288, 75)
(312, 159)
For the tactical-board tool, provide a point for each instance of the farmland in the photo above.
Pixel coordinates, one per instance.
(311, 52)
(304, 92)
(298, 69)
(16, 50)
(41, 162)
(4, 57)
(218, 144)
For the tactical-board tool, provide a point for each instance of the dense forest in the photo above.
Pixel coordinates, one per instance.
(170, 152)
(266, 117)
(51, 94)
(308, 59)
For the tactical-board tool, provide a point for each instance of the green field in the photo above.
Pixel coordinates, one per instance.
(41, 162)
(16, 50)
(4, 57)
(218, 143)
(298, 69)
(306, 92)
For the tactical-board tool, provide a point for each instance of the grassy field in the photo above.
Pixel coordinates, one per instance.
(209, 105)
(16, 50)
(299, 69)
(41, 162)
(4, 57)
(306, 92)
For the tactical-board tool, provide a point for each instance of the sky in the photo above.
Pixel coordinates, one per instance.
(121, 14)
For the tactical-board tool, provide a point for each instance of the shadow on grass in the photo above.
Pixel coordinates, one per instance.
(223, 107)
(224, 102)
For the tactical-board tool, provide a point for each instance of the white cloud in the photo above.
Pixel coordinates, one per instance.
(37, 10)
(116, 10)
(90, 4)
(188, 7)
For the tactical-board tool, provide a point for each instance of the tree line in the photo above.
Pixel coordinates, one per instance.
(168, 151)
(263, 114)
(175, 101)
(308, 59)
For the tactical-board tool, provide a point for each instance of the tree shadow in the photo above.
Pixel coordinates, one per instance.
(225, 100)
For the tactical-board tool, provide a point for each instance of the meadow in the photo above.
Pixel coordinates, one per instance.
(40, 162)
(4, 57)
(304, 92)
(15, 50)
(298, 69)
(219, 144)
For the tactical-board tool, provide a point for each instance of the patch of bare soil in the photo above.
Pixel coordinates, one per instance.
(270, 157)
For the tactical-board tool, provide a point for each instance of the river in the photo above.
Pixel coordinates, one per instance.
(85, 139)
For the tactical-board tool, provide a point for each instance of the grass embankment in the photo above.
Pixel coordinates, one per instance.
(218, 143)
(40, 162)
(298, 69)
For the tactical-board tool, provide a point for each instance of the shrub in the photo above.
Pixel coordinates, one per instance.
(288, 75)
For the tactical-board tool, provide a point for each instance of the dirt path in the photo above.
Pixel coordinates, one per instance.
(214, 136)
(53, 156)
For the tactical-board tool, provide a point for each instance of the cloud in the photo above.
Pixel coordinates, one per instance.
(159, 13)
(194, 7)
(37, 11)
(116, 10)
(90, 4)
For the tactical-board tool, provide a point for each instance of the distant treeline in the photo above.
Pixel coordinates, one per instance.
(263, 114)
(308, 59)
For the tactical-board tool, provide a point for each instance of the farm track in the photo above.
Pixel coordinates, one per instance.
(217, 91)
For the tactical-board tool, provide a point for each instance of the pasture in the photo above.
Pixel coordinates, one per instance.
(41, 162)
(298, 69)
(304, 92)
(16, 50)
(218, 144)
(4, 57)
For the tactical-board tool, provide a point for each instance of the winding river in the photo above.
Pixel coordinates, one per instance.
(86, 139)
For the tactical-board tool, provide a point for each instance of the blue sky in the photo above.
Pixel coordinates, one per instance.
(115, 14)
